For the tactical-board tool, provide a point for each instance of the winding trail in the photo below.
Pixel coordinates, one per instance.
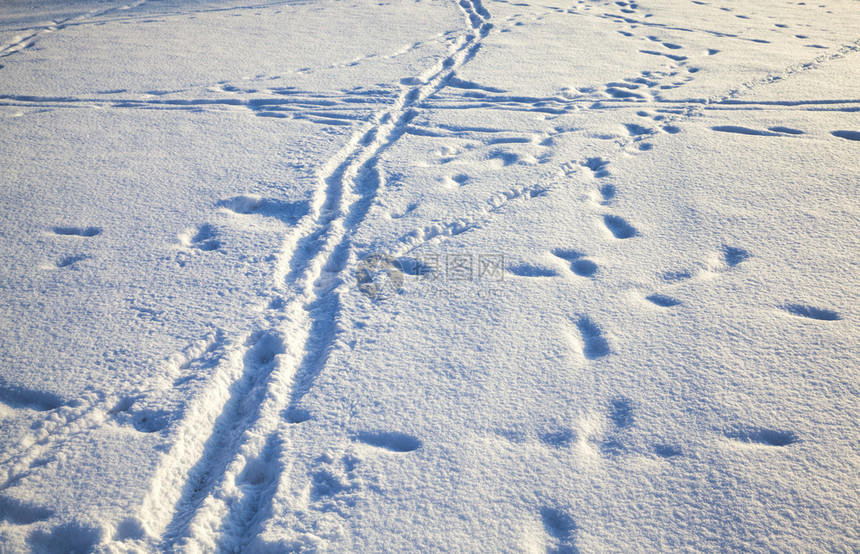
(214, 489)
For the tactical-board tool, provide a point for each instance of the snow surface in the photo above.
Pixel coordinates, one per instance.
(429, 276)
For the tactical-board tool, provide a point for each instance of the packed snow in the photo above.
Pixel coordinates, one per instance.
(423, 276)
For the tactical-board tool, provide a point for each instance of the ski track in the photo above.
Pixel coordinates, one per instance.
(20, 43)
(212, 490)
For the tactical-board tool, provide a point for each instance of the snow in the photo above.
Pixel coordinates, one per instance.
(429, 276)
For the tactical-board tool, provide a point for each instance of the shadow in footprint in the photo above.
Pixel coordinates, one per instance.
(619, 228)
(635, 130)
(558, 439)
(19, 397)
(597, 165)
(578, 264)
(561, 528)
(733, 256)
(18, 512)
(205, 239)
(766, 437)
(389, 440)
(667, 451)
(607, 192)
(71, 537)
(525, 270)
(662, 300)
(594, 344)
(737, 129)
(848, 135)
(621, 412)
(77, 231)
(414, 266)
(811, 312)
(786, 130)
(68, 261)
(288, 212)
(584, 268)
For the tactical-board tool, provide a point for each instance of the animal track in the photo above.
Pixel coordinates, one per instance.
(204, 239)
(619, 228)
(785, 130)
(733, 256)
(636, 130)
(20, 397)
(597, 166)
(578, 264)
(562, 530)
(848, 135)
(288, 212)
(68, 261)
(389, 440)
(594, 344)
(22, 513)
(766, 437)
(737, 129)
(812, 312)
(667, 451)
(621, 412)
(662, 300)
(69, 537)
(77, 231)
(525, 270)
(144, 420)
(558, 439)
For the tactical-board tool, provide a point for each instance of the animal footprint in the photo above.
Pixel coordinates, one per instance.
(621, 414)
(578, 264)
(389, 440)
(662, 300)
(848, 135)
(594, 343)
(733, 256)
(765, 437)
(69, 261)
(561, 529)
(811, 312)
(525, 270)
(288, 212)
(558, 439)
(597, 166)
(77, 231)
(619, 228)
(22, 513)
(204, 239)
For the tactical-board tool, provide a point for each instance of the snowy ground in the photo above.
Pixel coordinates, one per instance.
(423, 275)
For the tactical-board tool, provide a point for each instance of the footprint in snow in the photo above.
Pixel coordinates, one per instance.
(619, 228)
(662, 300)
(288, 212)
(203, 238)
(389, 440)
(77, 231)
(847, 135)
(811, 312)
(526, 270)
(70, 261)
(594, 344)
(579, 265)
(763, 436)
(561, 529)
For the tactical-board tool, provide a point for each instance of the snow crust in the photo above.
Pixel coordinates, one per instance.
(481, 276)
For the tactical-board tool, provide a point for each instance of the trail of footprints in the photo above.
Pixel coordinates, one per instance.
(214, 359)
